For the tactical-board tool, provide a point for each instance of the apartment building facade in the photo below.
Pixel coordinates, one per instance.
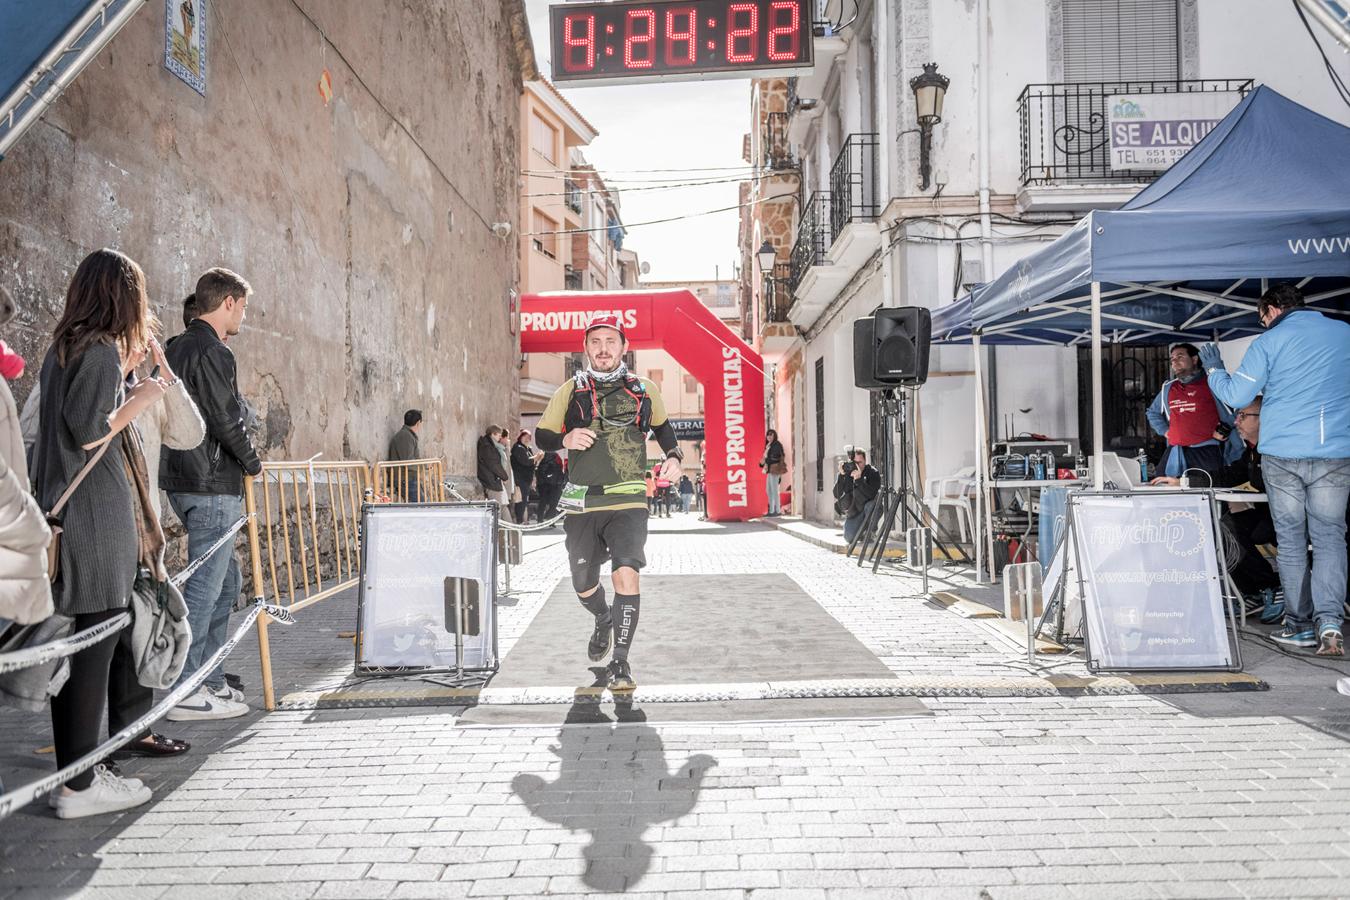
(842, 198)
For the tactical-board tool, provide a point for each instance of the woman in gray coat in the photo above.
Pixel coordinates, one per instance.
(84, 408)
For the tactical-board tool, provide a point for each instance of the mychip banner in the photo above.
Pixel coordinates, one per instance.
(1152, 589)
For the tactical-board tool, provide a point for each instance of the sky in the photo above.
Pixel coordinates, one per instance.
(687, 125)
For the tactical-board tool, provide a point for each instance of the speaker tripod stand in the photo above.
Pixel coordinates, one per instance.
(892, 502)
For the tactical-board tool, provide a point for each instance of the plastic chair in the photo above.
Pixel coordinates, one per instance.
(954, 492)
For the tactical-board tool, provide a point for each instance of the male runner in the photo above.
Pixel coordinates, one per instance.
(602, 417)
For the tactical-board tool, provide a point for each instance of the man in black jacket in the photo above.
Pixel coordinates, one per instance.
(405, 447)
(856, 488)
(206, 485)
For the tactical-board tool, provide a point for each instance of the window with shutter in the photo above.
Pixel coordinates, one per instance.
(1121, 40)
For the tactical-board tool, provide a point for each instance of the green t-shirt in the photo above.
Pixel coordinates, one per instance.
(617, 460)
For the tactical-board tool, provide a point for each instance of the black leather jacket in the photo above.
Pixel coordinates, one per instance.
(218, 464)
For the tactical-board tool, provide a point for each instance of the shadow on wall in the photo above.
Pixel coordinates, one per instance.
(614, 783)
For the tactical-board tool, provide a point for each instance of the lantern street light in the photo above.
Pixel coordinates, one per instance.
(766, 255)
(929, 90)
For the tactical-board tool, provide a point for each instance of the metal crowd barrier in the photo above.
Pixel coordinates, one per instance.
(303, 538)
(410, 481)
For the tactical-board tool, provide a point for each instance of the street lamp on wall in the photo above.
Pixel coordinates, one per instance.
(929, 90)
(766, 256)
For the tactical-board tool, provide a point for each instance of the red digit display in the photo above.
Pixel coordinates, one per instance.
(572, 42)
(785, 33)
(742, 32)
(639, 39)
(681, 36)
(635, 40)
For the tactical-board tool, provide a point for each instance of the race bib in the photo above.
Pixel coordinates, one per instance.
(573, 497)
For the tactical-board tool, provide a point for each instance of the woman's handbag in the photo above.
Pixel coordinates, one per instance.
(160, 635)
(54, 517)
(778, 468)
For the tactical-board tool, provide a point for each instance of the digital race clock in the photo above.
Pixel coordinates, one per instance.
(679, 39)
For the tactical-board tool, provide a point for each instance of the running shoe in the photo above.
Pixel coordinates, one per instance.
(620, 676)
(1330, 642)
(1272, 607)
(1290, 636)
(602, 639)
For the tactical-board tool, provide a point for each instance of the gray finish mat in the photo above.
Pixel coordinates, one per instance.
(696, 629)
(714, 711)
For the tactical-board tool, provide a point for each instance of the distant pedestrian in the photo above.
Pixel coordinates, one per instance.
(686, 493)
(650, 486)
(405, 446)
(524, 460)
(774, 464)
(550, 478)
(492, 474)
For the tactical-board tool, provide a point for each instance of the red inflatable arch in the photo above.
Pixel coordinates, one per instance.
(731, 373)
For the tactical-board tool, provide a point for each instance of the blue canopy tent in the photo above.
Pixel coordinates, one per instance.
(1265, 195)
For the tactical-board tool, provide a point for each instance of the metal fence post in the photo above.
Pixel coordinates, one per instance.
(919, 547)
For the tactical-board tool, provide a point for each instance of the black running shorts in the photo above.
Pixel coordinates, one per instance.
(619, 535)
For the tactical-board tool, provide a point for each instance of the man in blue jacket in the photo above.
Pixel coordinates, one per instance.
(1302, 366)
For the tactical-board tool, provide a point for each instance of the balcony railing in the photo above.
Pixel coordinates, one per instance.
(813, 237)
(572, 195)
(1063, 127)
(778, 293)
(777, 152)
(572, 280)
(853, 183)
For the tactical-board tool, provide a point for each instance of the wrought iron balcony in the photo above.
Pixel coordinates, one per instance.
(853, 183)
(776, 151)
(1064, 127)
(572, 280)
(777, 293)
(813, 237)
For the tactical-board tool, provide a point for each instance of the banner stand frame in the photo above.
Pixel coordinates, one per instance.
(461, 676)
(1056, 602)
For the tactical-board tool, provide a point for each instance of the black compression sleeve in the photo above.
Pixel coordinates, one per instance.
(547, 440)
(665, 436)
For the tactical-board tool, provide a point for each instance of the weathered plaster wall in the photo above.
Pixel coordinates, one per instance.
(362, 223)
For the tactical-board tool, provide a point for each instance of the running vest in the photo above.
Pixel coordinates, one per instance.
(584, 407)
(1192, 414)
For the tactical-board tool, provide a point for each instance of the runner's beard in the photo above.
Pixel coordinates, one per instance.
(617, 368)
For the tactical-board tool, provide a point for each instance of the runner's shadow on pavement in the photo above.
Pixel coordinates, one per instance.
(614, 783)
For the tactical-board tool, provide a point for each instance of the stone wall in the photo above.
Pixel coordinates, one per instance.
(362, 219)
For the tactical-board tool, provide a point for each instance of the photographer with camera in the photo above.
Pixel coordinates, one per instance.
(855, 491)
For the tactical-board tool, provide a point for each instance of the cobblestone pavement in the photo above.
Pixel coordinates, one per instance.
(1044, 798)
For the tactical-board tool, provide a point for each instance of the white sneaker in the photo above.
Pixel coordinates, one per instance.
(204, 705)
(134, 783)
(106, 794)
(225, 692)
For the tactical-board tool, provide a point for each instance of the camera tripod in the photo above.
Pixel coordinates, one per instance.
(891, 501)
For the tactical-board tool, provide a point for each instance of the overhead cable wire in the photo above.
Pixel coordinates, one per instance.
(1336, 81)
(395, 119)
(654, 187)
(589, 169)
(628, 225)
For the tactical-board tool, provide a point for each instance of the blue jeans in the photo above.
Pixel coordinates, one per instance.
(771, 485)
(854, 524)
(211, 590)
(1307, 503)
